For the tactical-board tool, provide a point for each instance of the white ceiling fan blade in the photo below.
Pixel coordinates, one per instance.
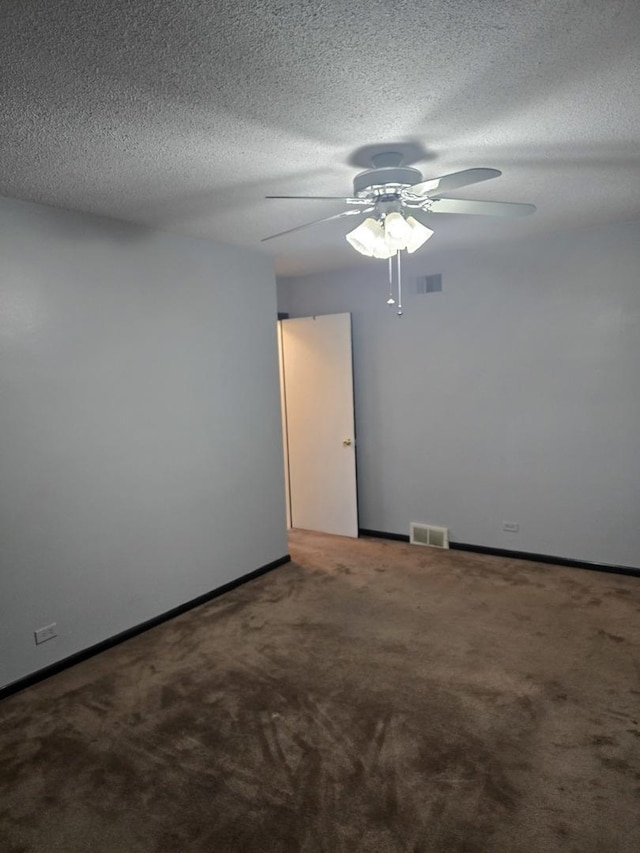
(324, 198)
(483, 208)
(454, 181)
(317, 221)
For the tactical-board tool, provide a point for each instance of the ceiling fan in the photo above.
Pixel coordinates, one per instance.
(399, 200)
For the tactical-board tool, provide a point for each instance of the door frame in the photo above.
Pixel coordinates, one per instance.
(282, 315)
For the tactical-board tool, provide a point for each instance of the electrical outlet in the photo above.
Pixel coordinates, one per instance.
(46, 633)
(510, 526)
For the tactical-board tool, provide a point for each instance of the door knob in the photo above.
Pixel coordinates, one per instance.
(347, 442)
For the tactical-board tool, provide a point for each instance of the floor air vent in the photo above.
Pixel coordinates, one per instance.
(427, 534)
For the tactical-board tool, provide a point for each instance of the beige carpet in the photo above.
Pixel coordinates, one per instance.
(371, 697)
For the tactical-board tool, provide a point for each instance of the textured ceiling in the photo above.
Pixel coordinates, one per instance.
(183, 114)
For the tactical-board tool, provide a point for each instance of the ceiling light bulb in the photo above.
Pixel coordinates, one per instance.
(419, 234)
(365, 237)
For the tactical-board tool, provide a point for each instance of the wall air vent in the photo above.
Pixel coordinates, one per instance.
(429, 283)
(428, 534)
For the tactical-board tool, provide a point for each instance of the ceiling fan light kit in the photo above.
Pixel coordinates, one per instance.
(392, 192)
(391, 234)
(384, 237)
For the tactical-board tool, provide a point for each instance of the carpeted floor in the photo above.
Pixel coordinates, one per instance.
(371, 697)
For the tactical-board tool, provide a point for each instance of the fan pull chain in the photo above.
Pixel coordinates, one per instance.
(400, 312)
(391, 300)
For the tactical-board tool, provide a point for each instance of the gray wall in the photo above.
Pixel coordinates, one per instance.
(513, 395)
(140, 442)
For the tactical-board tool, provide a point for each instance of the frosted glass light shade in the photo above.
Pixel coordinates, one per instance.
(365, 237)
(419, 234)
(397, 229)
(382, 249)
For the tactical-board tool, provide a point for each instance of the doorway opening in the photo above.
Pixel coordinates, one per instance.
(316, 384)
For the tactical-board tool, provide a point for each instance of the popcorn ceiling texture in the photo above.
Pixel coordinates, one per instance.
(183, 115)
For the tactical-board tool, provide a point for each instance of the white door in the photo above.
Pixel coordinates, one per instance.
(317, 373)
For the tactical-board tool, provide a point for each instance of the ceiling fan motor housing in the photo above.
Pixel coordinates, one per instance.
(397, 176)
